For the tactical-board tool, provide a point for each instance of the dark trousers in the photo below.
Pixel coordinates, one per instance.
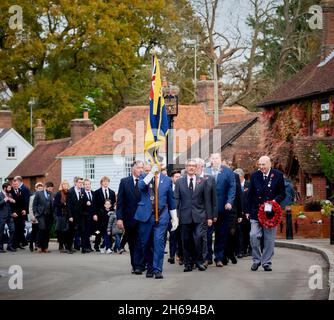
(172, 241)
(224, 239)
(44, 238)
(245, 230)
(10, 223)
(62, 237)
(19, 238)
(135, 250)
(192, 240)
(34, 235)
(84, 231)
(70, 236)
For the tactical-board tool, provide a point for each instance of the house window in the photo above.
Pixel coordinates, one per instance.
(325, 111)
(89, 169)
(128, 162)
(11, 152)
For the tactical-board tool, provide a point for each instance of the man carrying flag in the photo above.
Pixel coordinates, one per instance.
(156, 189)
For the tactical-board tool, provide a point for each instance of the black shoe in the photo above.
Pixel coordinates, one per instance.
(70, 251)
(121, 251)
(267, 268)
(233, 260)
(2, 250)
(97, 250)
(171, 260)
(20, 247)
(89, 250)
(200, 266)
(180, 262)
(84, 251)
(255, 266)
(240, 256)
(31, 247)
(158, 275)
(138, 271)
(11, 249)
(149, 274)
(187, 269)
(225, 261)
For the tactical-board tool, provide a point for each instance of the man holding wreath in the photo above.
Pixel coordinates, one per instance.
(265, 192)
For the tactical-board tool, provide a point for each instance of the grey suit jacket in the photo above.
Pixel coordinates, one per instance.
(40, 209)
(193, 207)
(5, 208)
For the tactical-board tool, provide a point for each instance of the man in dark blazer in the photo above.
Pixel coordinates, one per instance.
(211, 187)
(20, 209)
(43, 212)
(75, 202)
(128, 197)
(6, 201)
(265, 184)
(226, 189)
(244, 242)
(101, 195)
(193, 204)
(86, 217)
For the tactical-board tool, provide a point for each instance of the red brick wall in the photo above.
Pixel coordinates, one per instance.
(319, 187)
(328, 29)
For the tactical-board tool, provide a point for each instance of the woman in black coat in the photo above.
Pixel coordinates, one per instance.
(62, 216)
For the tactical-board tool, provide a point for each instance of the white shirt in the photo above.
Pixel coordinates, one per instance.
(104, 192)
(134, 180)
(77, 191)
(89, 194)
(194, 181)
(266, 175)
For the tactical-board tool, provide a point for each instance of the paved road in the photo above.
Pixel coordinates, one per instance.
(102, 276)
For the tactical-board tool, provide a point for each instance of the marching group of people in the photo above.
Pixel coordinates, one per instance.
(209, 215)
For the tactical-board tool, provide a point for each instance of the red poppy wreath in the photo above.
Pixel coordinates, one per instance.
(267, 222)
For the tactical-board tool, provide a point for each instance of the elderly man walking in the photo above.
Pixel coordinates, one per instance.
(266, 184)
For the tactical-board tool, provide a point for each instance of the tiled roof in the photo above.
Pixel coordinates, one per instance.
(3, 132)
(41, 158)
(315, 79)
(126, 130)
(213, 142)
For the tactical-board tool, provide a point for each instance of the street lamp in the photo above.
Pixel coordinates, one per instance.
(194, 42)
(171, 97)
(31, 103)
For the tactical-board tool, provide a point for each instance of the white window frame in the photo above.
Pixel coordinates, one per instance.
(128, 161)
(89, 168)
(8, 152)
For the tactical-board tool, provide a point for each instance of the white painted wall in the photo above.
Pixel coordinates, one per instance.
(112, 166)
(23, 148)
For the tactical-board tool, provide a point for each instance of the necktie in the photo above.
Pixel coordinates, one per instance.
(89, 196)
(136, 187)
(78, 195)
(191, 185)
(105, 193)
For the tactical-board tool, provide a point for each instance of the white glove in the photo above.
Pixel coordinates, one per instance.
(154, 169)
(148, 178)
(175, 219)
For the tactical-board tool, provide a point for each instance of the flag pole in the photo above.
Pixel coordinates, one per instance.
(156, 208)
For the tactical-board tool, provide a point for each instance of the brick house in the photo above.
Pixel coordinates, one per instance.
(300, 114)
(42, 164)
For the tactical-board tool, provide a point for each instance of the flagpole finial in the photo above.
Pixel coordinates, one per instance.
(153, 52)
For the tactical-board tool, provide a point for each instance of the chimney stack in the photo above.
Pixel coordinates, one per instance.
(6, 121)
(328, 28)
(205, 94)
(39, 132)
(81, 127)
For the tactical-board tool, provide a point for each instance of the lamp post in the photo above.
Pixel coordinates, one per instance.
(31, 104)
(194, 42)
(171, 97)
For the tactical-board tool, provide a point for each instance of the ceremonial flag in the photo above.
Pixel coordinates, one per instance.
(157, 121)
